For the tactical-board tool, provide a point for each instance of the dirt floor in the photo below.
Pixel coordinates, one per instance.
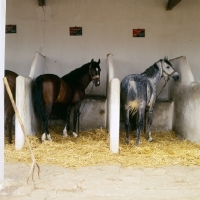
(101, 182)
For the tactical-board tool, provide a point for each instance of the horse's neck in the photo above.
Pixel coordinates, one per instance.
(155, 78)
(85, 80)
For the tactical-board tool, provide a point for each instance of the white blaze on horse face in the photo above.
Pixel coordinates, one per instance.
(65, 132)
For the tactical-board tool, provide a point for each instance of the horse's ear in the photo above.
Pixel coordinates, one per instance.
(166, 58)
(92, 60)
(99, 61)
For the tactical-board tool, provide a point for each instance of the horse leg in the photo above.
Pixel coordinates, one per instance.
(46, 134)
(145, 120)
(126, 113)
(141, 112)
(9, 129)
(149, 124)
(8, 116)
(76, 113)
(67, 125)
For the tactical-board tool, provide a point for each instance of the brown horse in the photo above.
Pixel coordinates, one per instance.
(8, 108)
(69, 90)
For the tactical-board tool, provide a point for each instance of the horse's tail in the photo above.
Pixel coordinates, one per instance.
(37, 97)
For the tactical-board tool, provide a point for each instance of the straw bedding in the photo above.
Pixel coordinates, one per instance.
(92, 148)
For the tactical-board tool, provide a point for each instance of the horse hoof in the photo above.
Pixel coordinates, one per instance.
(75, 135)
(49, 137)
(65, 135)
(150, 139)
(137, 143)
(127, 141)
(43, 137)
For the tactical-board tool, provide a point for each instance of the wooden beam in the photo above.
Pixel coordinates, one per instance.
(172, 3)
(41, 2)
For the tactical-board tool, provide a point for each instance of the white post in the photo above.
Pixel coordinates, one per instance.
(110, 67)
(114, 113)
(110, 76)
(24, 105)
(38, 66)
(2, 64)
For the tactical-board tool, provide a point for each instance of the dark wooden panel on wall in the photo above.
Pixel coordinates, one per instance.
(41, 2)
(172, 3)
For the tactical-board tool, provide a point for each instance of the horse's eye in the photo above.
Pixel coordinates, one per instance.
(168, 67)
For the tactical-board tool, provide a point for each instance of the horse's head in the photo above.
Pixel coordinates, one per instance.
(168, 70)
(94, 70)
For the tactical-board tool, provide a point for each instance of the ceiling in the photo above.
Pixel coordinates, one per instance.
(170, 5)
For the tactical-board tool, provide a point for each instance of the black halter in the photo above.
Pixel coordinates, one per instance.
(168, 75)
(93, 77)
(166, 80)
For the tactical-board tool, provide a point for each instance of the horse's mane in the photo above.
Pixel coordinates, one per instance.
(77, 73)
(167, 61)
(151, 71)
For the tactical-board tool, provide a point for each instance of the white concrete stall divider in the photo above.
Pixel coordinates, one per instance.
(114, 116)
(38, 66)
(24, 100)
(113, 106)
(186, 97)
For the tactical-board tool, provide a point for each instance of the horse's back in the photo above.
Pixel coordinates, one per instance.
(132, 84)
(9, 73)
(134, 91)
(48, 85)
(11, 78)
(54, 89)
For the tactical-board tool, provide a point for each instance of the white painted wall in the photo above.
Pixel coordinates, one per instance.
(107, 28)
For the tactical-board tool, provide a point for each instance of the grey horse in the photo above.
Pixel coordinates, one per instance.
(138, 93)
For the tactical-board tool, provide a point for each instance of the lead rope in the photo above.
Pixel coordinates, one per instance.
(164, 79)
(163, 86)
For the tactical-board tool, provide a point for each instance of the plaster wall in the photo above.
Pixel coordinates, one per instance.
(107, 28)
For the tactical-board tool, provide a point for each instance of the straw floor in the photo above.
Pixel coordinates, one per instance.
(92, 148)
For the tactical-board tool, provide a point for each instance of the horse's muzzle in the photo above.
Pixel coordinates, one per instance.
(97, 83)
(175, 76)
(96, 80)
